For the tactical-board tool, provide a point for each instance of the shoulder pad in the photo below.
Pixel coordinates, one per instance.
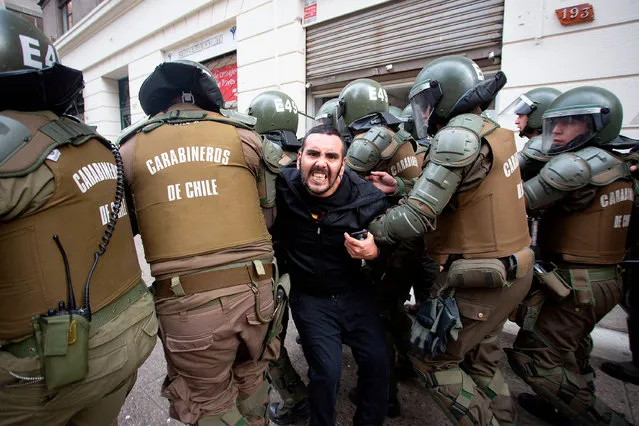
(566, 172)
(368, 149)
(271, 154)
(13, 136)
(458, 144)
(245, 119)
(384, 140)
(402, 136)
(533, 150)
(604, 166)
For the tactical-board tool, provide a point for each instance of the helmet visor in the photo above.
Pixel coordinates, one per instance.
(423, 101)
(569, 129)
(326, 118)
(523, 105)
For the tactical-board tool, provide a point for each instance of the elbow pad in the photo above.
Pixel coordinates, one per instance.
(402, 222)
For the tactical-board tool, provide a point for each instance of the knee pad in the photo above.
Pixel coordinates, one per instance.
(233, 417)
(255, 405)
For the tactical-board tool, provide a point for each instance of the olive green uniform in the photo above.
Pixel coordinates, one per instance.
(63, 182)
(193, 177)
(584, 234)
(482, 225)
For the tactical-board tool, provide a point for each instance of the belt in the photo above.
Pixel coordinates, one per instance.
(211, 280)
(595, 274)
(28, 347)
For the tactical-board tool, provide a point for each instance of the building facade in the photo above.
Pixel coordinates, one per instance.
(310, 49)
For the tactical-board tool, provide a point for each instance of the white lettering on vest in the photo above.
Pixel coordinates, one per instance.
(621, 221)
(617, 196)
(520, 190)
(94, 173)
(204, 154)
(175, 192)
(511, 165)
(403, 164)
(201, 188)
(107, 209)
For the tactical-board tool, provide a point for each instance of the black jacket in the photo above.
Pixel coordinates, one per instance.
(312, 249)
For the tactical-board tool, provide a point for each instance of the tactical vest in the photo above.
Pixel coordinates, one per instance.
(33, 278)
(194, 193)
(403, 164)
(595, 235)
(490, 220)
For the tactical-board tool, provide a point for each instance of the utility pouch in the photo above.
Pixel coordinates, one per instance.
(548, 276)
(521, 263)
(281, 292)
(580, 281)
(477, 273)
(63, 344)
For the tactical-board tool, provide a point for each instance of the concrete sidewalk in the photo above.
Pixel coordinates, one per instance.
(145, 406)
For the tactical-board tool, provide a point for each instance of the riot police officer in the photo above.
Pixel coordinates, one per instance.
(586, 195)
(327, 115)
(192, 168)
(472, 189)
(378, 144)
(529, 109)
(76, 320)
(277, 120)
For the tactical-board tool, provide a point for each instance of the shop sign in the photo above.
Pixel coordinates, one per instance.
(310, 11)
(226, 78)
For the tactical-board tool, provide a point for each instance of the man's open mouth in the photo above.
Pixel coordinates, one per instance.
(319, 177)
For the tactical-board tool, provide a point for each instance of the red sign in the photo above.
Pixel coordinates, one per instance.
(310, 11)
(576, 14)
(226, 78)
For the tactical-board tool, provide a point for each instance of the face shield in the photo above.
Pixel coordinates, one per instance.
(326, 119)
(523, 105)
(570, 129)
(423, 99)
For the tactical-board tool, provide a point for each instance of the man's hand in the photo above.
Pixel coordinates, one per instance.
(361, 249)
(383, 181)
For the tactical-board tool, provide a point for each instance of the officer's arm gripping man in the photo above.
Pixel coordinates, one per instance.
(454, 148)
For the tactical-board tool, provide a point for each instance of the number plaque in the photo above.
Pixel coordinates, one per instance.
(576, 14)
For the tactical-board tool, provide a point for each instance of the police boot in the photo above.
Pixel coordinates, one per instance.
(456, 393)
(564, 390)
(625, 371)
(543, 410)
(289, 412)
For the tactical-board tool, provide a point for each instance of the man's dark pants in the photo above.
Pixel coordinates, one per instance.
(324, 324)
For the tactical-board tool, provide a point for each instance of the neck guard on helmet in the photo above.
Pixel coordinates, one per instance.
(52, 89)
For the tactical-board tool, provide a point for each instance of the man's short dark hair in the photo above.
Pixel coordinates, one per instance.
(324, 129)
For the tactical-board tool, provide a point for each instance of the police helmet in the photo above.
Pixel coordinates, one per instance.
(581, 116)
(360, 98)
(274, 110)
(31, 76)
(180, 78)
(532, 104)
(447, 87)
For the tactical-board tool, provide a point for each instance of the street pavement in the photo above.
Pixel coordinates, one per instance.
(145, 406)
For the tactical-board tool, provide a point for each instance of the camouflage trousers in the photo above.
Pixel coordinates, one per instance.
(465, 380)
(116, 351)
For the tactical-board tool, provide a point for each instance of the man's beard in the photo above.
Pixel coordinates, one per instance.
(329, 178)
